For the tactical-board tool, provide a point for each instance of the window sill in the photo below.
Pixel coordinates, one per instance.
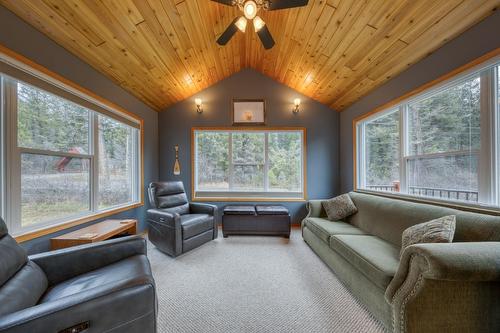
(246, 199)
(47, 230)
(474, 208)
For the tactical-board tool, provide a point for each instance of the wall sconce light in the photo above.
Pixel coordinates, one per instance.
(296, 102)
(198, 103)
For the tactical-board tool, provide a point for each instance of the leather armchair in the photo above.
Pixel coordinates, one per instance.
(175, 225)
(85, 288)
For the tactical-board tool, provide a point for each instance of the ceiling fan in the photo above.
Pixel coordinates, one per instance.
(250, 9)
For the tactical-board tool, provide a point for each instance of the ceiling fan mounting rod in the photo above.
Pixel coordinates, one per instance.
(260, 3)
(250, 8)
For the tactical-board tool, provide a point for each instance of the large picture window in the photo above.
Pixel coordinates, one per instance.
(61, 160)
(440, 144)
(248, 163)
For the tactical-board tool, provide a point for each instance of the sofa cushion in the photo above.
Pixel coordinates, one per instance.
(387, 218)
(440, 230)
(376, 258)
(271, 210)
(127, 272)
(239, 210)
(339, 208)
(3, 228)
(195, 224)
(23, 290)
(169, 196)
(12, 257)
(324, 228)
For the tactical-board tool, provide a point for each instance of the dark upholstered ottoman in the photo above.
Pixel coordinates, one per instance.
(256, 220)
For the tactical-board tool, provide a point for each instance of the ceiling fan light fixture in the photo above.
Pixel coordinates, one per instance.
(258, 23)
(241, 24)
(250, 9)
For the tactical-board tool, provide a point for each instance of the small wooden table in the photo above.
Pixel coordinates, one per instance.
(94, 233)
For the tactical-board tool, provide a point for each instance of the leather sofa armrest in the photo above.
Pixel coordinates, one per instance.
(66, 263)
(73, 309)
(200, 208)
(161, 216)
(430, 275)
(315, 208)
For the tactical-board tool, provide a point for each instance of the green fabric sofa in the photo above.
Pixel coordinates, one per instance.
(452, 287)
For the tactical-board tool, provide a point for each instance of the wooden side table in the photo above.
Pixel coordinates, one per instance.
(94, 233)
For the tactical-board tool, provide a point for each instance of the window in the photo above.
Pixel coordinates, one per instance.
(117, 156)
(53, 151)
(381, 144)
(63, 160)
(439, 144)
(444, 139)
(253, 164)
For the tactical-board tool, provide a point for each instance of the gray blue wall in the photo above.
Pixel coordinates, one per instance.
(322, 125)
(29, 42)
(473, 43)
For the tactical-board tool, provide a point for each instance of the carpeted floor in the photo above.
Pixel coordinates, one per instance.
(254, 284)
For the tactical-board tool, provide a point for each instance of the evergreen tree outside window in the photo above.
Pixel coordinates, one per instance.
(254, 164)
(440, 144)
(444, 142)
(382, 152)
(116, 163)
(63, 161)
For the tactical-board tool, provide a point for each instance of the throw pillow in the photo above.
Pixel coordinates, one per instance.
(440, 230)
(339, 207)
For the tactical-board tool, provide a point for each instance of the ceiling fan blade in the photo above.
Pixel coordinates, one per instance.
(228, 33)
(284, 4)
(265, 37)
(224, 2)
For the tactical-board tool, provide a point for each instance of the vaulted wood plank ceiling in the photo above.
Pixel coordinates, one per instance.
(334, 51)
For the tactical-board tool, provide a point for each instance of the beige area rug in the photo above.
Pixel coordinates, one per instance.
(254, 284)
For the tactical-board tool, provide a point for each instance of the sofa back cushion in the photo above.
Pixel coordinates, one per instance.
(3, 228)
(387, 218)
(12, 256)
(22, 283)
(169, 196)
(23, 290)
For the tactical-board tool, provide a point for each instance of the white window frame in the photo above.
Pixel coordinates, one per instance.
(489, 161)
(234, 195)
(10, 170)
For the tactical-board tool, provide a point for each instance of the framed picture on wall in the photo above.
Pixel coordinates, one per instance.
(249, 112)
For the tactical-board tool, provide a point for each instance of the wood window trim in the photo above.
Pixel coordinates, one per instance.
(23, 237)
(249, 199)
(391, 104)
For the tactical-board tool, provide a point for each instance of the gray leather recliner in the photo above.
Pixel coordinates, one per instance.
(175, 225)
(102, 287)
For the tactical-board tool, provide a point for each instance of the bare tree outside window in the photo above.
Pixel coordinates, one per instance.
(54, 159)
(445, 140)
(54, 186)
(115, 163)
(382, 152)
(240, 161)
(212, 160)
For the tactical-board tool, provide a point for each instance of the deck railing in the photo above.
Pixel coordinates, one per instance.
(388, 188)
(453, 194)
